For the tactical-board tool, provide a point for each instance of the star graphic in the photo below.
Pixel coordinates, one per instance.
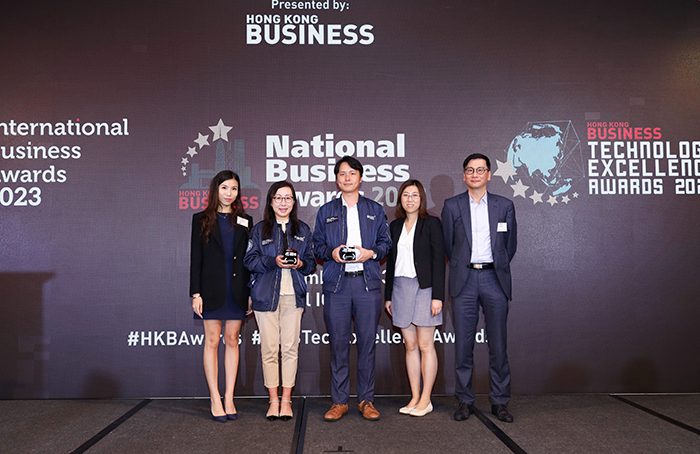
(505, 170)
(191, 152)
(536, 197)
(183, 168)
(575, 195)
(552, 200)
(519, 189)
(202, 140)
(184, 161)
(184, 174)
(565, 199)
(220, 130)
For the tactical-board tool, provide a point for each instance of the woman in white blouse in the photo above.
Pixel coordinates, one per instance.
(415, 290)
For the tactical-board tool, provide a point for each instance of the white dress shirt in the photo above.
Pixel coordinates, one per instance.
(354, 235)
(481, 235)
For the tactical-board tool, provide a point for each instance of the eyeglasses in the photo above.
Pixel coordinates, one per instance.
(478, 170)
(278, 199)
(414, 196)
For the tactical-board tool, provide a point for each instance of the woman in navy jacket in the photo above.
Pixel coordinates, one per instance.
(219, 283)
(278, 291)
(415, 289)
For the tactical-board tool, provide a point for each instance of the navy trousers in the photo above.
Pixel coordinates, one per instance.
(481, 289)
(352, 301)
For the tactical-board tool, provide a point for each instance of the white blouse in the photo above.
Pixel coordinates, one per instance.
(404, 253)
(286, 285)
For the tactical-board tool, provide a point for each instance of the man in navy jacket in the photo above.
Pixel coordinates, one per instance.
(480, 241)
(351, 286)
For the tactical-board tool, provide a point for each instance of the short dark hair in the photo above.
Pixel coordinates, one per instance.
(352, 162)
(269, 219)
(473, 156)
(422, 208)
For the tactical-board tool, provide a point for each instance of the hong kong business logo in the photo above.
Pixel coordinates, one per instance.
(545, 158)
(203, 160)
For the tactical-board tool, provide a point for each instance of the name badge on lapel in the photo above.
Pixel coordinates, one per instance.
(502, 227)
(242, 221)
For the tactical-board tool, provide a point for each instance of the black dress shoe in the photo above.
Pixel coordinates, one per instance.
(463, 412)
(501, 412)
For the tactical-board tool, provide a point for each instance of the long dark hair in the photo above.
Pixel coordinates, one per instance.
(269, 220)
(209, 218)
(422, 208)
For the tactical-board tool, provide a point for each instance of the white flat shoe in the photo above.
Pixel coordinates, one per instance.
(423, 412)
(406, 410)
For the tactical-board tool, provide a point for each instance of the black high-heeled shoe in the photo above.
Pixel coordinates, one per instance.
(273, 416)
(286, 416)
(217, 418)
(231, 416)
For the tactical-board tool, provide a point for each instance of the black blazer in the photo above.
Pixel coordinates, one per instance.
(208, 269)
(428, 256)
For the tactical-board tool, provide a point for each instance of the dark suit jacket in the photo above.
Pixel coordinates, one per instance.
(457, 227)
(208, 269)
(428, 256)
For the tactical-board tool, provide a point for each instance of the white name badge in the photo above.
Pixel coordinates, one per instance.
(244, 222)
(502, 227)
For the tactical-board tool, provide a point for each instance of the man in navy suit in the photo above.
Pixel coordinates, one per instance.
(480, 241)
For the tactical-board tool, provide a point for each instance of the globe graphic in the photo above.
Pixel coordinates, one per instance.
(547, 155)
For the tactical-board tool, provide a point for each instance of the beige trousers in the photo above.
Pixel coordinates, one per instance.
(280, 328)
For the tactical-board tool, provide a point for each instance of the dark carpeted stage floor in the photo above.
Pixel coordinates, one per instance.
(543, 424)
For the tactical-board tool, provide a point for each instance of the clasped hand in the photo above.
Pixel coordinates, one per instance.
(365, 254)
(280, 263)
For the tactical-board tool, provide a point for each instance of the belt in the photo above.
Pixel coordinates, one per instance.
(354, 273)
(480, 266)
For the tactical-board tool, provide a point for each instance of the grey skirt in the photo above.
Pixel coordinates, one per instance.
(411, 304)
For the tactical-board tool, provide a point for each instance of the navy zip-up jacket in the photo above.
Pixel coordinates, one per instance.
(266, 276)
(331, 231)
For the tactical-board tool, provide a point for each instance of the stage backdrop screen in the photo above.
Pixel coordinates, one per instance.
(114, 116)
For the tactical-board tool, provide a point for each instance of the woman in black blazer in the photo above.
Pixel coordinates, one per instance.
(219, 283)
(415, 290)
